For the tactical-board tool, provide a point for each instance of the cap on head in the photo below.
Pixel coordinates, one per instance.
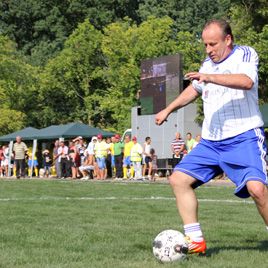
(117, 136)
(134, 138)
(99, 136)
(94, 138)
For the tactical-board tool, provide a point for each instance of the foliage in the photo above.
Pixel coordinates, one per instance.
(17, 89)
(68, 79)
(11, 120)
(80, 60)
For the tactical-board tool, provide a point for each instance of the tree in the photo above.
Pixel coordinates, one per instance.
(17, 88)
(73, 78)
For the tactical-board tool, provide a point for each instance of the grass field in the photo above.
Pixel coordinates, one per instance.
(104, 224)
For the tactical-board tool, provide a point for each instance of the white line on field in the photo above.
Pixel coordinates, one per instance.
(120, 198)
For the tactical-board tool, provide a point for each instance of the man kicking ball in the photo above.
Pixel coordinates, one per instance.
(232, 135)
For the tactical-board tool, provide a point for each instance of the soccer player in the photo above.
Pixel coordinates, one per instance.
(232, 135)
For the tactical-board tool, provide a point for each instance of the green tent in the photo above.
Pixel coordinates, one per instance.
(70, 130)
(264, 111)
(28, 133)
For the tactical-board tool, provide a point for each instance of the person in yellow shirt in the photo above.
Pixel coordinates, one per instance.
(32, 163)
(126, 161)
(101, 151)
(136, 157)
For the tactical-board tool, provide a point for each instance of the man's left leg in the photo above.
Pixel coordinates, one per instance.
(259, 192)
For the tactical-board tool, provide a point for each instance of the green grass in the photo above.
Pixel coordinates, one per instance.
(102, 224)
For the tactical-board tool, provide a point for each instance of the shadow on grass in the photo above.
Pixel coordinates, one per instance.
(262, 246)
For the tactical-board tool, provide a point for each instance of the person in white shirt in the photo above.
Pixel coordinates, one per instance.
(147, 160)
(136, 158)
(232, 134)
(63, 158)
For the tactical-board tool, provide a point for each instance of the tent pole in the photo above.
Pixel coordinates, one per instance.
(10, 147)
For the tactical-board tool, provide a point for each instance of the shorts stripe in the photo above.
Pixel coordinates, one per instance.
(260, 144)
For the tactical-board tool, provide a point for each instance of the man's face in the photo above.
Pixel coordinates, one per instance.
(189, 136)
(218, 46)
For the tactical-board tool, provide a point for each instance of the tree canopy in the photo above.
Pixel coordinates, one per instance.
(64, 61)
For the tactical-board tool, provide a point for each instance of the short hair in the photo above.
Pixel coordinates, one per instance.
(147, 138)
(223, 24)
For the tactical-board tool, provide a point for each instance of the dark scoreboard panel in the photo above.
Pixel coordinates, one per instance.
(161, 82)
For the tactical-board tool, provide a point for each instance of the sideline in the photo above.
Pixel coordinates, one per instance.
(151, 198)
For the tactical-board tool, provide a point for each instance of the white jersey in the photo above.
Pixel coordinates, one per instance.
(230, 112)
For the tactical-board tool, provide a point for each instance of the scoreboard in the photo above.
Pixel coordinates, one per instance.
(161, 82)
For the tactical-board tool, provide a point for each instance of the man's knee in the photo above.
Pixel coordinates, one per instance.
(179, 179)
(257, 190)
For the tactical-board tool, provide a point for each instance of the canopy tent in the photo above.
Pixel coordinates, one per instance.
(264, 111)
(28, 133)
(70, 130)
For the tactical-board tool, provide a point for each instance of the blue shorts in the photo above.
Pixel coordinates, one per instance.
(127, 162)
(101, 162)
(242, 158)
(112, 161)
(35, 163)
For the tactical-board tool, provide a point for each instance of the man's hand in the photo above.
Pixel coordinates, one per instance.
(198, 76)
(161, 117)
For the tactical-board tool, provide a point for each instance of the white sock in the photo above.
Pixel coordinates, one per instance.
(193, 230)
(267, 228)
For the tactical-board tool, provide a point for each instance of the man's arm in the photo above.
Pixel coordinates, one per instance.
(187, 96)
(237, 81)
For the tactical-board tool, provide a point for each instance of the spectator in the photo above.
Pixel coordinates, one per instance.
(177, 148)
(189, 142)
(80, 147)
(112, 156)
(20, 150)
(32, 163)
(63, 158)
(136, 157)
(197, 140)
(56, 160)
(101, 154)
(126, 161)
(1, 161)
(5, 161)
(74, 160)
(154, 163)
(87, 169)
(47, 161)
(147, 158)
(109, 158)
(118, 157)
(90, 154)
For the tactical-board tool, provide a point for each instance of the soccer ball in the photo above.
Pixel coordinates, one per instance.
(170, 246)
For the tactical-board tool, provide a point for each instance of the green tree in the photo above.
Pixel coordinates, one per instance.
(73, 77)
(17, 88)
(41, 27)
(187, 15)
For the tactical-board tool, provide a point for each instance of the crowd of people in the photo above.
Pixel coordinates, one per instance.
(101, 158)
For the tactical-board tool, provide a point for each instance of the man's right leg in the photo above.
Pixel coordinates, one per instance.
(186, 200)
(18, 168)
(187, 205)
